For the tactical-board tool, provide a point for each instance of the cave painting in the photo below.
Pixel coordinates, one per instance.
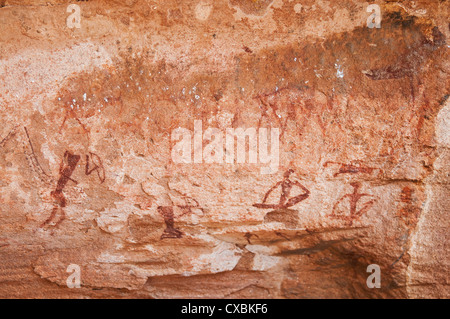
(408, 212)
(354, 167)
(354, 204)
(33, 158)
(97, 166)
(285, 201)
(169, 216)
(66, 169)
(7, 137)
(68, 165)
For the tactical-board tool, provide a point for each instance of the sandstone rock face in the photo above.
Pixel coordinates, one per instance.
(114, 158)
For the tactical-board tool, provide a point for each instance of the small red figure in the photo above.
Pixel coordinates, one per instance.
(65, 171)
(354, 197)
(286, 187)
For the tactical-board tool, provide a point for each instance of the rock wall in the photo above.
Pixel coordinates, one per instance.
(116, 164)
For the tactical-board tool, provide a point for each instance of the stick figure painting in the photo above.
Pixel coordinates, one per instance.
(285, 189)
(351, 207)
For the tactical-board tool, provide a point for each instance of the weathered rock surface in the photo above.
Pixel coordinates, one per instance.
(87, 175)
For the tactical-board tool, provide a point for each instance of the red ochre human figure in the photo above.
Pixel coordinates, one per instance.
(285, 200)
(169, 217)
(353, 198)
(67, 167)
(65, 171)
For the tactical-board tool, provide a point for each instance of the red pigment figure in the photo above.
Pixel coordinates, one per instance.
(249, 235)
(354, 197)
(65, 171)
(169, 217)
(98, 166)
(352, 168)
(34, 160)
(286, 187)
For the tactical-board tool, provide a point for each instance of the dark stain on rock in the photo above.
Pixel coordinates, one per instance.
(288, 217)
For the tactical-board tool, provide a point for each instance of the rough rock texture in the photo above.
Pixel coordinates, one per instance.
(87, 176)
